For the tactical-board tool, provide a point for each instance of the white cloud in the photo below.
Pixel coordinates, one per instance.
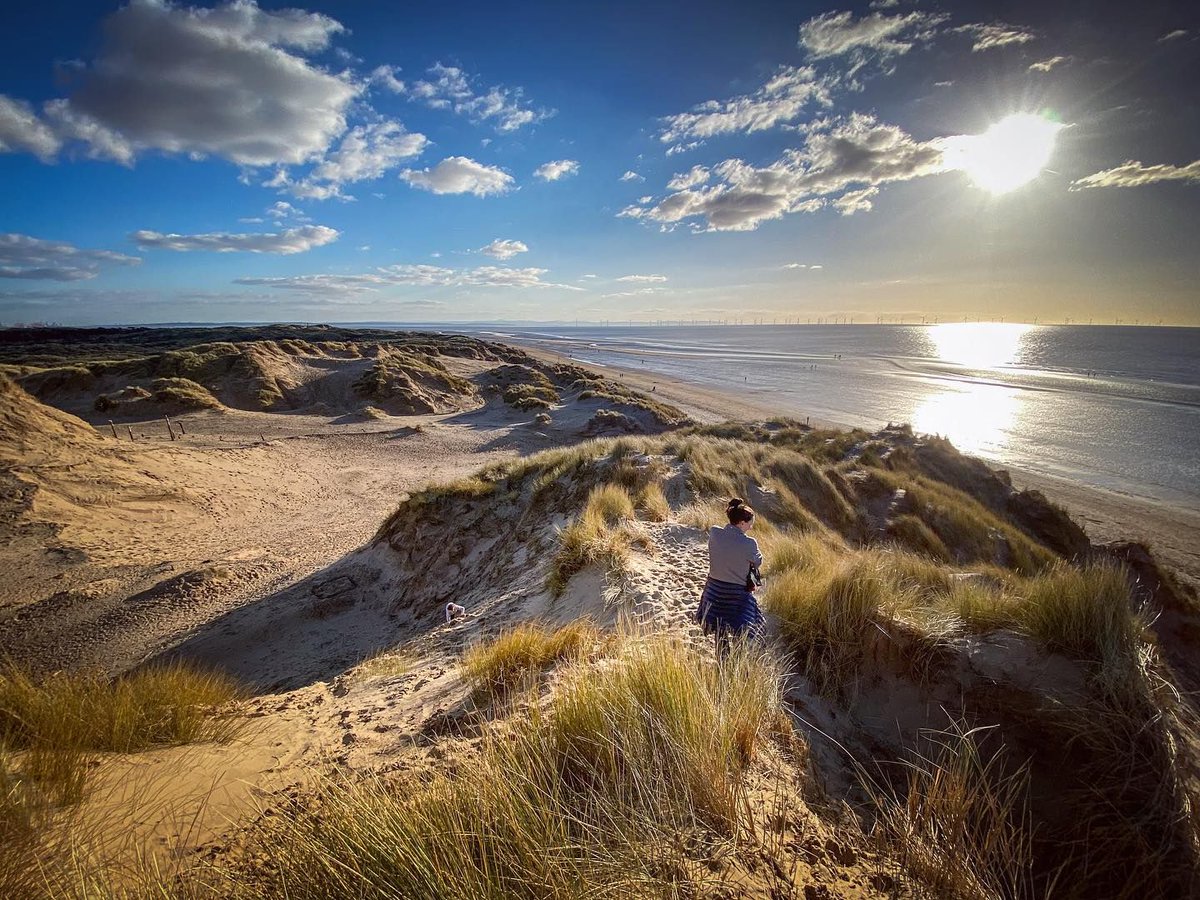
(460, 175)
(1174, 35)
(500, 276)
(319, 284)
(418, 275)
(231, 81)
(281, 211)
(450, 88)
(783, 98)
(1134, 174)
(644, 279)
(22, 131)
(366, 152)
(1046, 65)
(855, 201)
(683, 148)
(683, 180)
(632, 176)
(794, 266)
(385, 77)
(989, 37)
(856, 152)
(293, 240)
(874, 37)
(99, 141)
(556, 169)
(30, 258)
(504, 249)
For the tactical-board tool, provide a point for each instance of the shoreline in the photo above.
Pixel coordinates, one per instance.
(1171, 532)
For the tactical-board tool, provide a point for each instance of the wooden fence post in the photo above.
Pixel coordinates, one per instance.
(170, 430)
(113, 427)
(130, 428)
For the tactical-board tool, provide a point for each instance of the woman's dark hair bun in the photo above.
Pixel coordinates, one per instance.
(738, 511)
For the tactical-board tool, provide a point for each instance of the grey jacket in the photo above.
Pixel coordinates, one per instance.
(731, 552)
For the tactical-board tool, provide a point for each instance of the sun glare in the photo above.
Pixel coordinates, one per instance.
(977, 418)
(979, 345)
(1009, 154)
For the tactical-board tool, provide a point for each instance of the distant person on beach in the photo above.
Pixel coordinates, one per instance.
(727, 606)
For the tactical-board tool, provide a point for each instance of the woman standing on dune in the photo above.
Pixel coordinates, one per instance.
(727, 606)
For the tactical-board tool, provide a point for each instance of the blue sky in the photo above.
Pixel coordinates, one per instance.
(360, 161)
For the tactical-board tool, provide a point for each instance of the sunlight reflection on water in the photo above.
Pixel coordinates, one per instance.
(983, 345)
(977, 418)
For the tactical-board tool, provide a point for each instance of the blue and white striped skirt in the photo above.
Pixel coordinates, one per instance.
(725, 606)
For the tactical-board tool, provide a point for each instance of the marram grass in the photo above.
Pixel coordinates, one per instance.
(583, 797)
(498, 665)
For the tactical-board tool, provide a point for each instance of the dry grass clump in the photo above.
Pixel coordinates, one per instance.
(173, 704)
(652, 503)
(702, 514)
(183, 393)
(1085, 613)
(585, 798)
(981, 605)
(829, 606)
(665, 730)
(959, 824)
(596, 536)
(50, 734)
(812, 488)
(964, 527)
(915, 535)
(496, 666)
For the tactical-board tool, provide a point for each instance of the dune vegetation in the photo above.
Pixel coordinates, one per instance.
(957, 695)
(56, 730)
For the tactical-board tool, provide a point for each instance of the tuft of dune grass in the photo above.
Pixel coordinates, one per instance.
(596, 536)
(173, 704)
(496, 666)
(1085, 613)
(51, 731)
(915, 535)
(829, 607)
(958, 823)
(652, 503)
(664, 730)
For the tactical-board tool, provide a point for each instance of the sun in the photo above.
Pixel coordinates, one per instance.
(1009, 154)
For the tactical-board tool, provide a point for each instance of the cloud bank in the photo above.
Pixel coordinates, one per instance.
(30, 258)
(232, 82)
(781, 99)
(293, 240)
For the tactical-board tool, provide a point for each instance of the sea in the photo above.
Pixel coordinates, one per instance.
(1114, 407)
